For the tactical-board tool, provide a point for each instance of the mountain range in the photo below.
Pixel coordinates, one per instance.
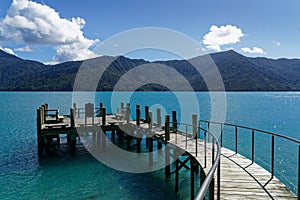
(238, 72)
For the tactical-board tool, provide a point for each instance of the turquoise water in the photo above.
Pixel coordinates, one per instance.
(82, 177)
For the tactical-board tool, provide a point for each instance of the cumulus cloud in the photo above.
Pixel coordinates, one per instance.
(223, 35)
(37, 24)
(24, 49)
(254, 50)
(8, 50)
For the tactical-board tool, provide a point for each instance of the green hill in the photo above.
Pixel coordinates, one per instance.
(239, 73)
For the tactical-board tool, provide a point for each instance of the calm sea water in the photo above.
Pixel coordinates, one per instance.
(62, 176)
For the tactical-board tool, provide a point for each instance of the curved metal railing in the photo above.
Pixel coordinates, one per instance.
(255, 131)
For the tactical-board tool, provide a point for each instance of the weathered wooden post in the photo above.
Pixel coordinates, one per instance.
(138, 115)
(75, 109)
(174, 121)
(194, 168)
(122, 108)
(127, 114)
(194, 123)
(150, 121)
(103, 116)
(167, 128)
(89, 112)
(100, 110)
(147, 114)
(158, 116)
(72, 117)
(46, 107)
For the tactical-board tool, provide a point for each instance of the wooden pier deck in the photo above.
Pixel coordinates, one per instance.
(239, 177)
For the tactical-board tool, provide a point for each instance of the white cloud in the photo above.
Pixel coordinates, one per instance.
(223, 35)
(37, 24)
(276, 43)
(8, 50)
(254, 50)
(24, 49)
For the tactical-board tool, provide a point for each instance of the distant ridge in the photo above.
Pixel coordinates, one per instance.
(239, 73)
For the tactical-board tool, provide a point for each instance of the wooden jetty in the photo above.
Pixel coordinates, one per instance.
(224, 174)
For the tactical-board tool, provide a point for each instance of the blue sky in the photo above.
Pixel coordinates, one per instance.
(253, 28)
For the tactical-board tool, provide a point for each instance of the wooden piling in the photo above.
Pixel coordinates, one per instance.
(127, 114)
(174, 121)
(167, 162)
(194, 124)
(158, 116)
(101, 110)
(150, 121)
(167, 128)
(147, 114)
(104, 116)
(177, 176)
(72, 117)
(138, 115)
(39, 128)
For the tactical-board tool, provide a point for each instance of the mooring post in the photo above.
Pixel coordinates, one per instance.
(167, 148)
(127, 114)
(158, 116)
(147, 114)
(150, 121)
(73, 144)
(72, 119)
(174, 121)
(46, 112)
(104, 116)
(167, 128)
(100, 109)
(194, 123)
(138, 115)
(194, 168)
(75, 108)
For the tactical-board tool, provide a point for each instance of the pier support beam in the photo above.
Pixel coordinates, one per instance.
(167, 162)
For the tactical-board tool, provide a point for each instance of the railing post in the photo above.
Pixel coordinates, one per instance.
(205, 152)
(219, 179)
(253, 146)
(273, 154)
(221, 135)
(236, 139)
(167, 128)
(186, 135)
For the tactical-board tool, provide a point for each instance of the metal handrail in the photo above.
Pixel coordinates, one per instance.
(215, 160)
(253, 130)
